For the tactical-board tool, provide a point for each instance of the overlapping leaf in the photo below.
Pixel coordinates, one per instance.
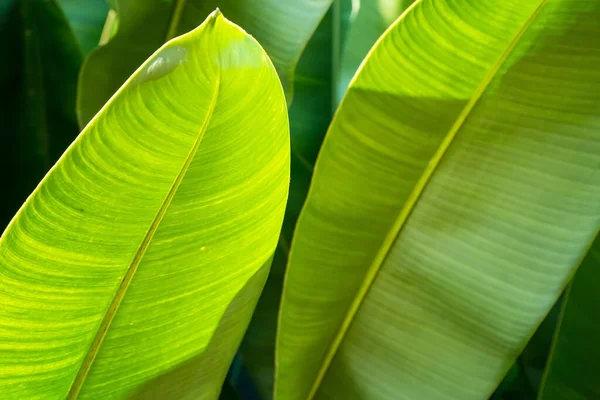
(283, 27)
(456, 191)
(372, 18)
(310, 114)
(572, 369)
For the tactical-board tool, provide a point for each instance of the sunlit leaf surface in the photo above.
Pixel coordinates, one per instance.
(134, 267)
(456, 191)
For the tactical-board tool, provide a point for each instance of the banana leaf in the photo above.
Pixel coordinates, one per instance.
(455, 194)
(572, 370)
(134, 267)
(38, 80)
(283, 27)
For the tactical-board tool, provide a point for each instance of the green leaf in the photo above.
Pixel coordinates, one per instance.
(283, 27)
(87, 21)
(38, 78)
(135, 266)
(310, 115)
(572, 370)
(455, 193)
(373, 17)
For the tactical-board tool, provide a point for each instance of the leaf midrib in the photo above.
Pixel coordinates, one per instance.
(135, 262)
(419, 188)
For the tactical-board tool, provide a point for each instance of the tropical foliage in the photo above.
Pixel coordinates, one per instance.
(273, 199)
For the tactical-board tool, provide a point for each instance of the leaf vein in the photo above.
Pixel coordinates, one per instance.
(121, 291)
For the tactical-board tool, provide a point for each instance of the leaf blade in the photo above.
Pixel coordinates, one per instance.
(100, 201)
(395, 134)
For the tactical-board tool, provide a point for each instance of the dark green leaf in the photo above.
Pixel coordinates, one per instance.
(574, 365)
(87, 18)
(38, 78)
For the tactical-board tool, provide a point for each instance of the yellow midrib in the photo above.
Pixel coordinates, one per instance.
(414, 197)
(120, 293)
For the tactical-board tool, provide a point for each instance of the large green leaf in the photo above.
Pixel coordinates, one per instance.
(310, 115)
(572, 371)
(137, 262)
(454, 195)
(283, 27)
(38, 79)
(372, 18)
(87, 20)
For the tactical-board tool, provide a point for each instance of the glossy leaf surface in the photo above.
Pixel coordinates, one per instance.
(572, 371)
(38, 78)
(283, 27)
(456, 191)
(134, 268)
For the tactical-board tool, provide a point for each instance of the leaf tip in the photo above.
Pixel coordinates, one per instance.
(215, 15)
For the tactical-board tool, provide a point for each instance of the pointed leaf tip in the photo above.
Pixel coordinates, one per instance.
(214, 16)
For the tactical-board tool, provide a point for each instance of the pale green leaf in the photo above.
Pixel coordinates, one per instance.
(456, 192)
(135, 265)
(572, 370)
(283, 27)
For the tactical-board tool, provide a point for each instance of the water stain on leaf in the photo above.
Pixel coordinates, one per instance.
(162, 64)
